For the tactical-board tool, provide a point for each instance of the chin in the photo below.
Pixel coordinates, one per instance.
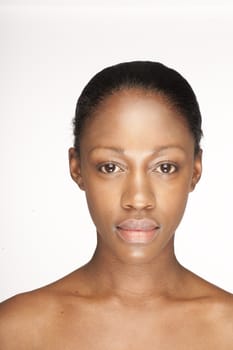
(137, 255)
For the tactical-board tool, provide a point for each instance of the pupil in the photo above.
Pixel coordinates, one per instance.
(110, 168)
(166, 168)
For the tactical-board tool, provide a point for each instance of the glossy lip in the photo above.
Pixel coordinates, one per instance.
(141, 231)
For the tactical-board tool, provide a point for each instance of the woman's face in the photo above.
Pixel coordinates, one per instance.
(137, 167)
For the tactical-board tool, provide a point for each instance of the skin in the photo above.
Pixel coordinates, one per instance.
(130, 295)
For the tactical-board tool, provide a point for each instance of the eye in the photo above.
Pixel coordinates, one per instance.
(166, 168)
(109, 168)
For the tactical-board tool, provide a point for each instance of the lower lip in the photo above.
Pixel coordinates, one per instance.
(136, 236)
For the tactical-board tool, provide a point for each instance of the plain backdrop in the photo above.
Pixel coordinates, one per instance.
(49, 51)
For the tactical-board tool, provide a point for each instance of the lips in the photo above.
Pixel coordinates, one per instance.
(141, 231)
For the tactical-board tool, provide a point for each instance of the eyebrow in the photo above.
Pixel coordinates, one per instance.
(122, 151)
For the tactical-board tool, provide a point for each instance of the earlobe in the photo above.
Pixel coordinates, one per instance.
(197, 170)
(75, 168)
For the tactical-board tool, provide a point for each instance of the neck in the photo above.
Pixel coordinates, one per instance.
(161, 277)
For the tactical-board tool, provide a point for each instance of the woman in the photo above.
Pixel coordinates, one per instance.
(137, 156)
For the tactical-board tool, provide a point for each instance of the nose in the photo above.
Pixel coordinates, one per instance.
(138, 193)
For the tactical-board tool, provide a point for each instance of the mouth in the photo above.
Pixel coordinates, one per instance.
(141, 231)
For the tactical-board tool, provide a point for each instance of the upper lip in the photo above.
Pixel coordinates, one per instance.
(138, 224)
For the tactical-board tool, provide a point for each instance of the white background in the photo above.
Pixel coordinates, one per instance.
(49, 50)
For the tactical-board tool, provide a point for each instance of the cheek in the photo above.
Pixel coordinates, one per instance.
(102, 201)
(171, 202)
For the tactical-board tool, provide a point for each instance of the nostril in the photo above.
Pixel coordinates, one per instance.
(138, 203)
(138, 193)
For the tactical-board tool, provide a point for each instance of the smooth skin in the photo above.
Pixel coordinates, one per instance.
(136, 162)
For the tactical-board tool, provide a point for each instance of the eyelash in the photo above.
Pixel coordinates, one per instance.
(171, 167)
(102, 166)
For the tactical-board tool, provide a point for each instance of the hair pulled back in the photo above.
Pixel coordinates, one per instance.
(150, 76)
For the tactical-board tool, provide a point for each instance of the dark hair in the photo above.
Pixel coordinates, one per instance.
(150, 76)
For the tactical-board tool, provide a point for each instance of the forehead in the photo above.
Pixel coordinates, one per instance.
(133, 118)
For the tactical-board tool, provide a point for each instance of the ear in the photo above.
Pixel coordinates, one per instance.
(197, 170)
(75, 168)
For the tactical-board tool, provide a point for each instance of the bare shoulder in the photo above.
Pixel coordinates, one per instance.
(23, 317)
(214, 306)
(26, 318)
(221, 315)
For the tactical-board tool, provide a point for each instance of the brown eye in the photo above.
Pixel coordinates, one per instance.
(109, 168)
(166, 168)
